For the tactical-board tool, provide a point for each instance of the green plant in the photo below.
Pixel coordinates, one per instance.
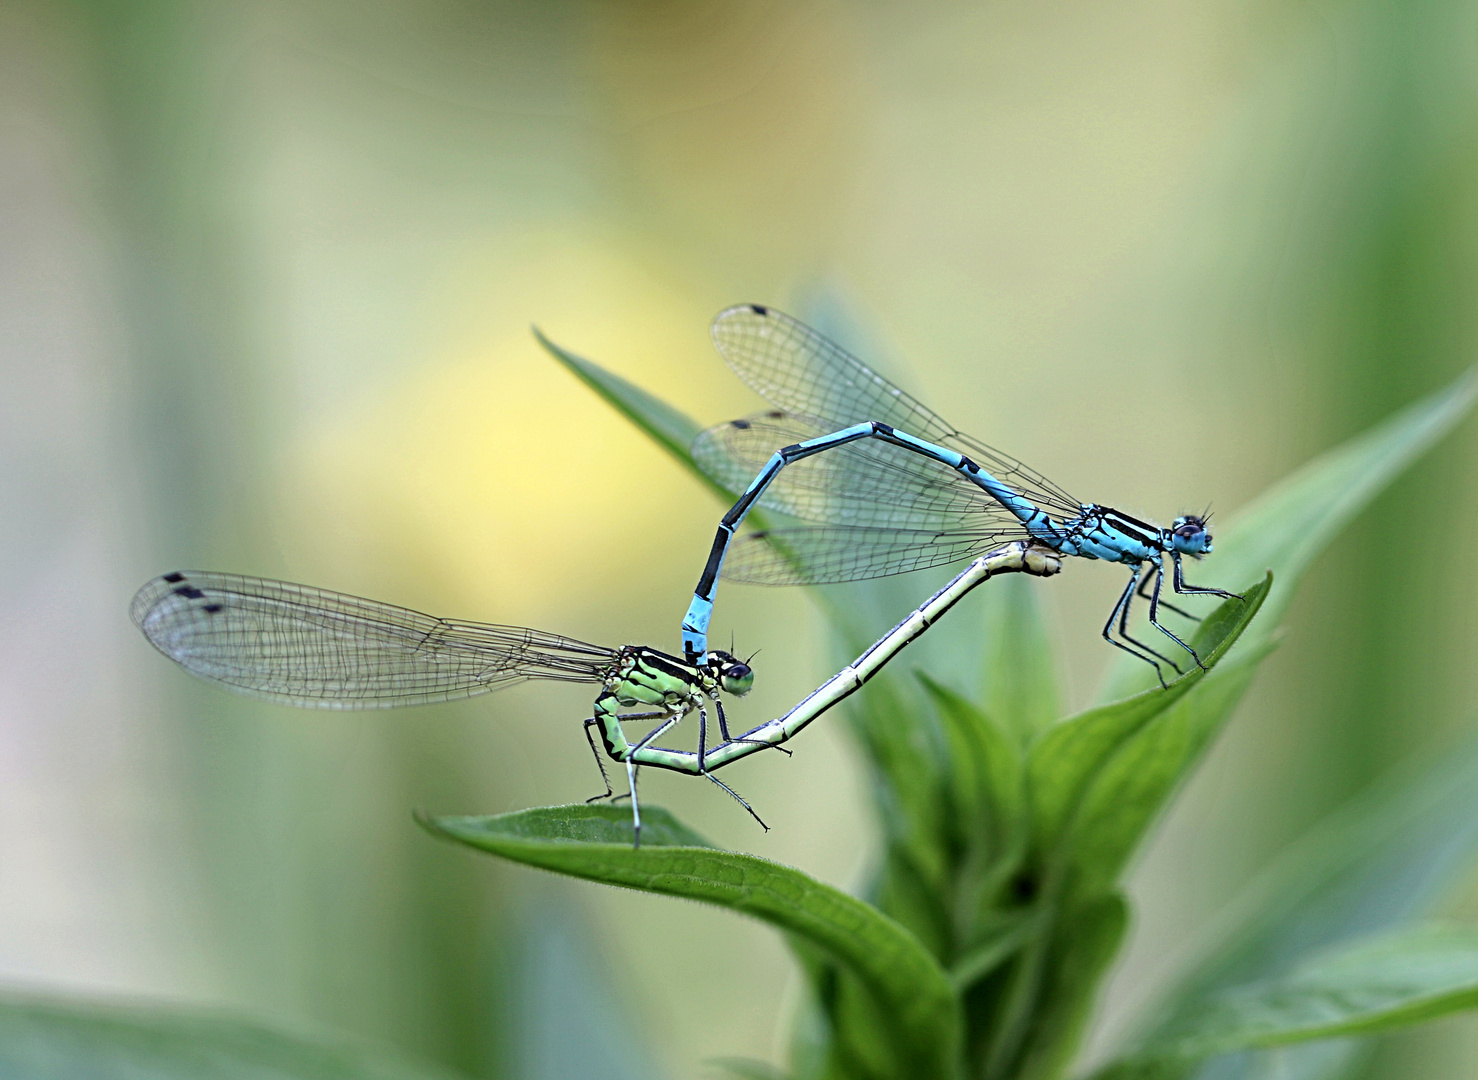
(995, 909)
(59, 1040)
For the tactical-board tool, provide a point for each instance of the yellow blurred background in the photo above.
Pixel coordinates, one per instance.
(269, 271)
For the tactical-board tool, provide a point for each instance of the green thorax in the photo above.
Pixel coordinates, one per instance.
(646, 676)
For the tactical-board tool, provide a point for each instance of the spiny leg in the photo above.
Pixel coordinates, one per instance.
(601, 765)
(1152, 572)
(723, 729)
(1155, 622)
(1190, 590)
(738, 799)
(1124, 633)
(1108, 628)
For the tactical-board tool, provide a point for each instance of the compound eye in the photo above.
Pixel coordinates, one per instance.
(737, 679)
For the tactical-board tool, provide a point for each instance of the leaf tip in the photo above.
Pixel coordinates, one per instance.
(558, 352)
(426, 820)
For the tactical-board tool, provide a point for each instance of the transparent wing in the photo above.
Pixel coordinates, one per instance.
(865, 483)
(805, 374)
(298, 645)
(826, 555)
(800, 371)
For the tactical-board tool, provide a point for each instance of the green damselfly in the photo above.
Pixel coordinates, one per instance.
(312, 648)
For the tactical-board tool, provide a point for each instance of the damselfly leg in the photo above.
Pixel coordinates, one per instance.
(1155, 612)
(738, 799)
(631, 766)
(1144, 583)
(703, 755)
(1139, 650)
(1190, 590)
(601, 765)
(723, 728)
(1185, 590)
(1124, 633)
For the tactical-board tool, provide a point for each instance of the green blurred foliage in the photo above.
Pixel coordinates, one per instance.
(268, 280)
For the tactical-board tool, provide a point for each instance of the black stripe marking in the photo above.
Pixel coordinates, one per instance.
(667, 665)
(715, 556)
(1119, 515)
(174, 578)
(189, 592)
(759, 309)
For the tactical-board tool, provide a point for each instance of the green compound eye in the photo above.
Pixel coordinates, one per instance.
(737, 679)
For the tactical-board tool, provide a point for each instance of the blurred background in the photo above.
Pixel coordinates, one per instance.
(266, 280)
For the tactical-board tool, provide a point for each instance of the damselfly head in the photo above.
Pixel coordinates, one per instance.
(734, 675)
(1189, 536)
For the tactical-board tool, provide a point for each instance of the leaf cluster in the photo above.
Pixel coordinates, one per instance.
(994, 912)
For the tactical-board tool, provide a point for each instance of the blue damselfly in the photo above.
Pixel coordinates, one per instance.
(902, 490)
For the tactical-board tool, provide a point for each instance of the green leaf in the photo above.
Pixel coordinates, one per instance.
(672, 429)
(984, 781)
(578, 824)
(1394, 980)
(1021, 684)
(1088, 939)
(1286, 528)
(1389, 854)
(839, 1033)
(1133, 750)
(912, 992)
(1135, 781)
(905, 753)
(1066, 758)
(1013, 931)
(50, 1040)
(748, 1068)
(985, 774)
(1289, 525)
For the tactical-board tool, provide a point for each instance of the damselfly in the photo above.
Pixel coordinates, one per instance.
(312, 648)
(876, 511)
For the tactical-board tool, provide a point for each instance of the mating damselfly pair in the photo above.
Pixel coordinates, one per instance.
(839, 453)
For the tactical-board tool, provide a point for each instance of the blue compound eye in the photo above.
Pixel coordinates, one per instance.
(1190, 535)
